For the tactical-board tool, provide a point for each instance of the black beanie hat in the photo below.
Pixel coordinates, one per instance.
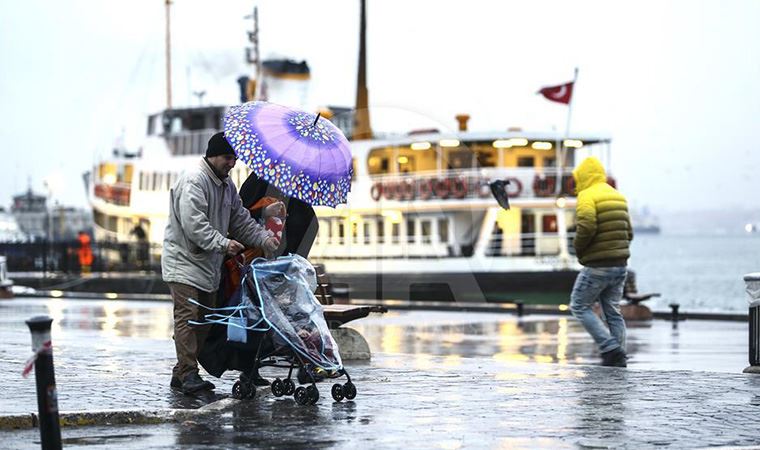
(218, 145)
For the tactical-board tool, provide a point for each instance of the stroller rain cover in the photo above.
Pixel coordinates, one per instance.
(286, 303)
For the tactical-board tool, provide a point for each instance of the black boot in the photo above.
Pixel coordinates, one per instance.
(614, 358)
(194, 383)
(176, 382)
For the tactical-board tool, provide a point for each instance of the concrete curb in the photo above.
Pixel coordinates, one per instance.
(128, 417)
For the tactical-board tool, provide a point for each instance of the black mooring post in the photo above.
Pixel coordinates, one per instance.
(674, 312)
(47, 395)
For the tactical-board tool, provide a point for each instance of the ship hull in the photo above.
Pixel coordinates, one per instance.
(528, 287)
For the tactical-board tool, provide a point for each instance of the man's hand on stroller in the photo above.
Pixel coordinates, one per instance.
(234, 247)
(270, 245)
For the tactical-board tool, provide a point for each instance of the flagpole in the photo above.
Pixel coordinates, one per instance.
(561, 151)
(564, 254)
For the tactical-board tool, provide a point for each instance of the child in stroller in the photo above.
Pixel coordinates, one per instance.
(275, 320)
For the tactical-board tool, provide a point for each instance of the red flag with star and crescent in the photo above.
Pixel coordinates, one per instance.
(560, 93)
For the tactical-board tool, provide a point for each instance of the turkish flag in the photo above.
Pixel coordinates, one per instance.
(560, 94)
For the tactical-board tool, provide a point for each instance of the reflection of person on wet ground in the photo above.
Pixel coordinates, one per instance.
(300, 230)
(602, 244)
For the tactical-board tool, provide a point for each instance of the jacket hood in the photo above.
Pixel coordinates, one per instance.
(589, 173)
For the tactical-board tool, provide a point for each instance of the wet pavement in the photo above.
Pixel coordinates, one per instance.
(436, 380)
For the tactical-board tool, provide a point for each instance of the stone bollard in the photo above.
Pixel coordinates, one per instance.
(47, 395)
(752, 286)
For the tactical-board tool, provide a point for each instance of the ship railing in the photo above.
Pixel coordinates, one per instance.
(529, 244)
(115, 193)
(472, 183)
(189, 142)
(524, 244)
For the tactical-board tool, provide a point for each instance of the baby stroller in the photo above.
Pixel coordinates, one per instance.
(276, 313)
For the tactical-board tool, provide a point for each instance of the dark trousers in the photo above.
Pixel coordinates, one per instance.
(189, 339)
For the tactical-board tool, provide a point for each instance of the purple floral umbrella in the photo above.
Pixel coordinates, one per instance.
(301, 154)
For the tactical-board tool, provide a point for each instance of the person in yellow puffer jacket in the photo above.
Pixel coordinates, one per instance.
(602, 241)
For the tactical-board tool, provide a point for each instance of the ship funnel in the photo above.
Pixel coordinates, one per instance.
(462, 119)
(362, 127)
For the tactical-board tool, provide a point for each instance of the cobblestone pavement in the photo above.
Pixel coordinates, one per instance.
(417, 395)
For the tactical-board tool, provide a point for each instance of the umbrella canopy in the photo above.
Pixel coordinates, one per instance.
(302, 154)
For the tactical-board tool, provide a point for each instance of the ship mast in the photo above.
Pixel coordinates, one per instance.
(362, 128)
(253, 56)
(168, 4)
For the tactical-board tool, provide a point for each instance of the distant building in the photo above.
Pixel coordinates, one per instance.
(31, 212)
(9, 229)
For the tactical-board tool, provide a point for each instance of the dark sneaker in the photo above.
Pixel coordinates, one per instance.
(194, 383)
(614, 358)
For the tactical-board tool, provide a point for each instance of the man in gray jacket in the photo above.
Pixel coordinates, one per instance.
(205, 208)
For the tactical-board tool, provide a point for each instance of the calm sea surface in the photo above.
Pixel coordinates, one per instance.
(701, 273)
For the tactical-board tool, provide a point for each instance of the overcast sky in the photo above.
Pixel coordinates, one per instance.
(675, 83)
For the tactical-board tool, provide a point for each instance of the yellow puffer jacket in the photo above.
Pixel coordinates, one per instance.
(603, 226)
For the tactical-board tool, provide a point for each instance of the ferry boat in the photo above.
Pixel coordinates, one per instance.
(420, 222)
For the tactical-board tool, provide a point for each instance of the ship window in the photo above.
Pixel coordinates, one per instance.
(355, 231)
(549, 224)
(526, 161)
(366, 233)
(406, 164)
(460, 159)
(380, 230)
(410, 230)
(550, 162)
(395, 233)
(168, 180)
(341, 231)
(443, 230)
(486, 158)
(426, 230)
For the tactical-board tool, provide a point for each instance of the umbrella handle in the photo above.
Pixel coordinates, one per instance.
(319, 114)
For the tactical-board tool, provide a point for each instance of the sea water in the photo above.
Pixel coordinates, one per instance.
(699, 272)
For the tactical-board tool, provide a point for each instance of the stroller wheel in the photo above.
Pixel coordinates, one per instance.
(289, 385)
(300, 396)
(278, 389)
(349, 390)
(240, 390)
(337, 392)
(313, 394)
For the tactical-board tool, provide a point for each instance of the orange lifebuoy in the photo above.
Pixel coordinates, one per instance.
(376, 191)
(389, 191)
(458, 188)
(406, 190)
(518, 187)
(442, 188)
(544, 187)
(425, 189)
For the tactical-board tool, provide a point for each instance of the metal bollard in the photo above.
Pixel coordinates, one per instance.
(674, 312)
(520, 309)
(752, 286)
(47, 395)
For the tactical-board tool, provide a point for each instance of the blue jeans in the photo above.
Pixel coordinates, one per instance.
(603, 284)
